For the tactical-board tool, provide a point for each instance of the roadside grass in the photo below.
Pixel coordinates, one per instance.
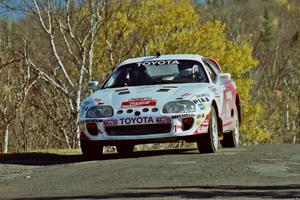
(58, 151)
(39, 153)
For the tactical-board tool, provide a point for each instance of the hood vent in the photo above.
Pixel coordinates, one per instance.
(163, 90)
(124, 92)
(170, 86)
(123, 89)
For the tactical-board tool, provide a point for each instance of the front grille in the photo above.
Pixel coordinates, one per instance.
(138, 129)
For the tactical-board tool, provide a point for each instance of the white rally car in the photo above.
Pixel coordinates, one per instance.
(163, 98)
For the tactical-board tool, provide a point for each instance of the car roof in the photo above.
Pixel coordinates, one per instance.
(163, 57)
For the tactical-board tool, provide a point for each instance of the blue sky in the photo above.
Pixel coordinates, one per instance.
(5, 14)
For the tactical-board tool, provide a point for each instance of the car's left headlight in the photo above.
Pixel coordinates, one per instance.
(183, 106)
(99, 112)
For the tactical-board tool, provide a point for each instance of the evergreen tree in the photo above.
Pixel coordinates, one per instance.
(268, 28)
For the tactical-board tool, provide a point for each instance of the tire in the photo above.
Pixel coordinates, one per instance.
(208, 143)
(125, 149)
(91, 150)
(231, 139)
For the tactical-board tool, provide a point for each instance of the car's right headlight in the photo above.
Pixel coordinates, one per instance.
(99, 112)
(184, 106)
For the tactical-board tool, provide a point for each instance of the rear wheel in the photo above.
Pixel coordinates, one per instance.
(231, 139)
(125, 149)
(208, 143)
(91, 150)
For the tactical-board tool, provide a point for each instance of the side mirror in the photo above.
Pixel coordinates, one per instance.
(223, 77)
(93, 85)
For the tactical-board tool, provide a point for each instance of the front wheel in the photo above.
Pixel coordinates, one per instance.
(231, 139)
(91, 150)
(208, 143)
(125, 149)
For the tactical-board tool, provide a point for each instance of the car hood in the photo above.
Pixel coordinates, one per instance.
(154, 95)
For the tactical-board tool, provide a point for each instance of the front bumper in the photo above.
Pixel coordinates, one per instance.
(146, 128)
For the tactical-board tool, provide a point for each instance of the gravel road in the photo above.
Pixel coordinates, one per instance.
(258, 172)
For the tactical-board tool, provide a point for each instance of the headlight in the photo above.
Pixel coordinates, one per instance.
(99, 112)
(184, 106)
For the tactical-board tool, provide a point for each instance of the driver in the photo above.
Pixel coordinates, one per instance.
(139, 76)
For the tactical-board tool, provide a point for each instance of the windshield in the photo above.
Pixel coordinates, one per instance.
(157, 72)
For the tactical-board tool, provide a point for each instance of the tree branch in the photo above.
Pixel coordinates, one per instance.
(61, 28)
(47, 78)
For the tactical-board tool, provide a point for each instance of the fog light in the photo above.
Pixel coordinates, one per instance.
(92, 128)
(187, 123)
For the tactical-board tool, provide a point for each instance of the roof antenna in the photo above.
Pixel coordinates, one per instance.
(158, 54)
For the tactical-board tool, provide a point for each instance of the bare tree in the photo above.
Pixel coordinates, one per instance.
(15, 88)
(70, 28)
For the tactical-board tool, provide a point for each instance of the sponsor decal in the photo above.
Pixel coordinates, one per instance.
(228, 96)
(93, 120)
(163, 120)
(137, 102)
(202, 106)
(203, 128)
(186, 94)
(98, 101)
(159, 62)
(110, 122)
(205, 123)
(136, 120)
(182, 116)
(200, 116)
(198, 121)
(201, 100)
(203, 95)
(201, 122)
(177, 127)
(212, 88)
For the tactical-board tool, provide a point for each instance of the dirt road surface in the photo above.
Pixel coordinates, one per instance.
(259, 172)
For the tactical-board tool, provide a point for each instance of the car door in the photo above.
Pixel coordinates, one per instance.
(213, 86)
(222, 92)
(229, 96)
